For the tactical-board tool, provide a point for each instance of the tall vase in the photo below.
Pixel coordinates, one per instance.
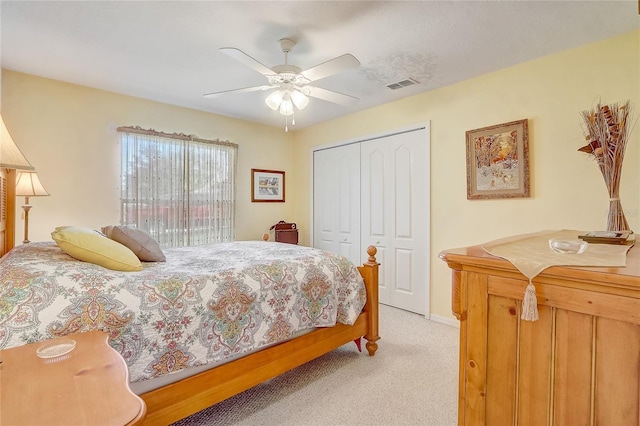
(616, 220)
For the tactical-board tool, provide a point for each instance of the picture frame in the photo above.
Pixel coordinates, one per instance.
(498, 161)
(267, 186)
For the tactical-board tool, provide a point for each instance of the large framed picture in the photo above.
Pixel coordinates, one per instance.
(267, 185)
(498, 161)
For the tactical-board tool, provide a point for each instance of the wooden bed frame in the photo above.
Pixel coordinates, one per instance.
(192, 394)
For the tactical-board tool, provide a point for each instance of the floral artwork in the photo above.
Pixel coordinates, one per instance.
(497, 161)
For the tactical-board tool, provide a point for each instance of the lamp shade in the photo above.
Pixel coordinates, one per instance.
(28, 185)
(285, 100)
(299, 99)
(10, 155)
(274, 100)
(286, 107)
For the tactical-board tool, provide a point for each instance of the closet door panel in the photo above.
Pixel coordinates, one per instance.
(376, 211)
(375, 168)
(324, 213)
(348, 188)
(395, 215)
(404, 266)
(336, 201)
(403, 186)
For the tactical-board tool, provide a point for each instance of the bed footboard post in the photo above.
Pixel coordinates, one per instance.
(369, 272)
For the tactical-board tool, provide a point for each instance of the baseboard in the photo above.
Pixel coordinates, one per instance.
(445, 320)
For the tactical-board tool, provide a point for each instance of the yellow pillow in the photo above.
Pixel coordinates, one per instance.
(91, 246)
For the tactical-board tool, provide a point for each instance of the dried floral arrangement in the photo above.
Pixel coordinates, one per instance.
(607, 132)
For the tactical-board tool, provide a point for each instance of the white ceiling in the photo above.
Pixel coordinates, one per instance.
(168, 50)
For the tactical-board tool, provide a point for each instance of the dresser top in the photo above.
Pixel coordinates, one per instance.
(475, 256)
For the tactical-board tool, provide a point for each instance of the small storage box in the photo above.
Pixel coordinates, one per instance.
(286, 232)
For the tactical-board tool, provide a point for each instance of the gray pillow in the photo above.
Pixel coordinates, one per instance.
(138, 241)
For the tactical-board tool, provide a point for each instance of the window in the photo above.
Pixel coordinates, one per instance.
(179, 188)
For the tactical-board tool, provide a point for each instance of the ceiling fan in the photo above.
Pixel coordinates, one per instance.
(291, 82)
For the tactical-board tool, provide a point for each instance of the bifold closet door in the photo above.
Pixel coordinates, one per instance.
(336, 201)
(394, 214)
(376, 192)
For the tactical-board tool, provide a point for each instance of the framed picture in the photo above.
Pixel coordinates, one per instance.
(498, 161)
(267, 186)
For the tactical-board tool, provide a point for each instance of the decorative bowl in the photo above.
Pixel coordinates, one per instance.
(568, 246)
(56, 349)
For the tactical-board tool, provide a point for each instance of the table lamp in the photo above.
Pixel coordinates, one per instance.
(10, 155)
(28, 185)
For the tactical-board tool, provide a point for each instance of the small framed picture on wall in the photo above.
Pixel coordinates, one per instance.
(267, 185)
(498, 161)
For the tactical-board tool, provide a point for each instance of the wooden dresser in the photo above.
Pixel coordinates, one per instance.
(579, 364)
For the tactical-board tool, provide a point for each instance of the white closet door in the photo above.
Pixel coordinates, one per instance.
(336, 201)
(395, 215)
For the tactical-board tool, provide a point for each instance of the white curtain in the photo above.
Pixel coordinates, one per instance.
(178, 188)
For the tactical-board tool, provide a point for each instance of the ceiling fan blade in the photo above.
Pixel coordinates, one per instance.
(244, 90)
(329, 95)
(332, 66)
(240, 56)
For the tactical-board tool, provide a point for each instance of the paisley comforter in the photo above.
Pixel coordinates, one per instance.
(204, 305)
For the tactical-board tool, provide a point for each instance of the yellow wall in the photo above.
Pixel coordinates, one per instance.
(68, 133)
(567, 189)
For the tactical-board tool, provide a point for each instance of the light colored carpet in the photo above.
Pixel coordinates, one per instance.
(412, 380)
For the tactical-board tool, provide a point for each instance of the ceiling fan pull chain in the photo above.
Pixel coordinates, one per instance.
(286, 123)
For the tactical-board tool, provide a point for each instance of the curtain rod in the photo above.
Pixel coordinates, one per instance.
(181, 136)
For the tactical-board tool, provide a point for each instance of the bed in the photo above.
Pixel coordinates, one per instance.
(225, 364)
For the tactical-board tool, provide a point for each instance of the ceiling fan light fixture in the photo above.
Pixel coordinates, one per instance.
(274, 100)
(291, 82)
(286, 107)
(299, 99)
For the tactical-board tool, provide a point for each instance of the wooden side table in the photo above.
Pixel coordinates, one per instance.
(87, 386)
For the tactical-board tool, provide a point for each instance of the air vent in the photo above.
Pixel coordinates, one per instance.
(403, 83)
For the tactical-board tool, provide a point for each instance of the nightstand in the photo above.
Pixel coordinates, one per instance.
(87, 386)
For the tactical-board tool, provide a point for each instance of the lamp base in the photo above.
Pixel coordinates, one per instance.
(26, 207)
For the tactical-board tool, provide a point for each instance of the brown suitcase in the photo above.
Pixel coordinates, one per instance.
(286, 232)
